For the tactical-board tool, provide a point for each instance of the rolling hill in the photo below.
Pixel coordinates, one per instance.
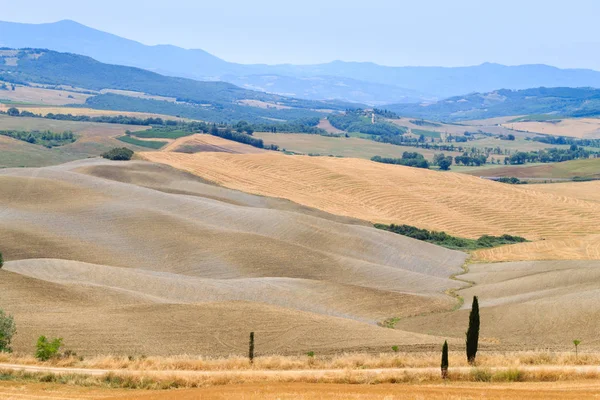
(458, 204)
(141, 258)
(360, 82)
(557, 101)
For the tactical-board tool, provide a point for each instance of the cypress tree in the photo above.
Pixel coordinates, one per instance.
(251, 350)
(445, 360)
(473, 332)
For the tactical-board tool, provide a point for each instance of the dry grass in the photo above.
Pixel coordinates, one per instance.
(458, 204)
(579, 128)
(175, 380)
(343, 361)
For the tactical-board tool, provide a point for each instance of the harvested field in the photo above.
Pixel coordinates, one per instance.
(342, 146)
(199, 143)
(44, 110)
(573, 248)
(573, 127)
(543, 304)
(588, 191)
(563, 170)
(108, 255)
(36, 95)
(458, 204)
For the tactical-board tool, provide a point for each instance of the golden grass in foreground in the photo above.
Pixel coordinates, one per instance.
(458, 204)
(154, 381)
(442, 391)
(297, 363)
(306, 391)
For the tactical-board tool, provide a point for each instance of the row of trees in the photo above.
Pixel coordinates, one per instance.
(409, 159)
(305, 125)
(561, 140)
(550, 155)
(45, 138)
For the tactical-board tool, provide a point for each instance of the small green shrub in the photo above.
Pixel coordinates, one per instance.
(395, 349)
(119, 154)
(47, 349)
(510, 375)
(310, 354)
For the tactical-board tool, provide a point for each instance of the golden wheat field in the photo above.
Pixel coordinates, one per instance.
(579, 128)
(458, 204)
(207, 143)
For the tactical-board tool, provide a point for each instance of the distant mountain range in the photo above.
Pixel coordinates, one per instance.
(349, 81)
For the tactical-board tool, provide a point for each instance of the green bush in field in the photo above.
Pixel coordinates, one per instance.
(119, 154)
(7, 331)
(47, 349)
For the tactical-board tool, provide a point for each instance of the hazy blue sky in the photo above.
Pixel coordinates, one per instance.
(419, 32)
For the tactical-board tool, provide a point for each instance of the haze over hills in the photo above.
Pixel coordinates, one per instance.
(350, 81)
(559, 101)
(210, 101)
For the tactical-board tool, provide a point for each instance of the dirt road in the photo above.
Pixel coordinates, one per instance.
(313, 373)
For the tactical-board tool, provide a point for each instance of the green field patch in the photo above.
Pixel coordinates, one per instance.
(162, 134)
(151, 144)
(426, 133)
